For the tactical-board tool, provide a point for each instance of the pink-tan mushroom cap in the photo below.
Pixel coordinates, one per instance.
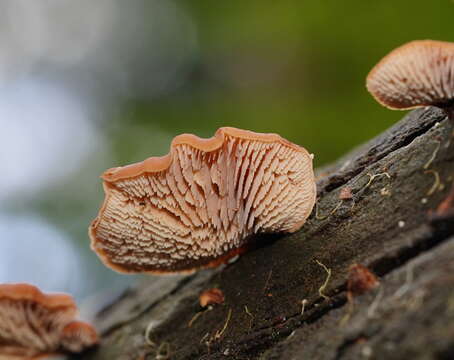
(78, 335)
(211, 296)
(199, 205)
(32, 323)
(419, 73)
(27, 292)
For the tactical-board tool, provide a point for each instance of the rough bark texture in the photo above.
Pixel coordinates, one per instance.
(386, 225)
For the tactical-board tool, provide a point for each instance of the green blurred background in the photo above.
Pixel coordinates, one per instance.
(138, 73)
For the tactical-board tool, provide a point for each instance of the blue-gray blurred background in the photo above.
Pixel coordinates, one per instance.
(87, 85)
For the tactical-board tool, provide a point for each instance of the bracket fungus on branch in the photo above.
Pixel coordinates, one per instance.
(197, 206)
(419, 73)
(34, 324)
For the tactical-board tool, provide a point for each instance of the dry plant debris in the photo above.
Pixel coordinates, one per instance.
(325, 284)
(332, 212)
(372, 177)
(360, 280)
(432, 157)
(436, 184)
(219, 333)
(246, 310)
(345, 193)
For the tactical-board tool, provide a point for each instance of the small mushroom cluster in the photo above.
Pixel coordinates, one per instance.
(34, 324)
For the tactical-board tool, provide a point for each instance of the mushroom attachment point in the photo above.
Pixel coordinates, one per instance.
(419, 73)
(199, 205)
(34, 324)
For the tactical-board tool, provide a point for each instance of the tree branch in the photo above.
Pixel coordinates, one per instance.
(385, 225)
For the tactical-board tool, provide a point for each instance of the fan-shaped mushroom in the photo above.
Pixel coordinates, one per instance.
(419, 73)
(197, 206)
(33, 324)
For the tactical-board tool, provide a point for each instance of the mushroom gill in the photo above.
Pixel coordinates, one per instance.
(419, 73)
(33, 324)
(197, 206)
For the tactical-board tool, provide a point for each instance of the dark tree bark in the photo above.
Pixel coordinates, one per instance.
(390, 224)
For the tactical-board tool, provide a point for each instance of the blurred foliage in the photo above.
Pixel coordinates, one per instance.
(292, 67)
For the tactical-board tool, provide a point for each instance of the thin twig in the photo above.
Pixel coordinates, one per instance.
(163, 352)
(436, 183)
(323, 287)
(198, 314)
(194, 318)
(204, 337)
(147, 334)
(432, 157)
(219, 333)
(249, 313)
(372, 177)
(319, 217)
